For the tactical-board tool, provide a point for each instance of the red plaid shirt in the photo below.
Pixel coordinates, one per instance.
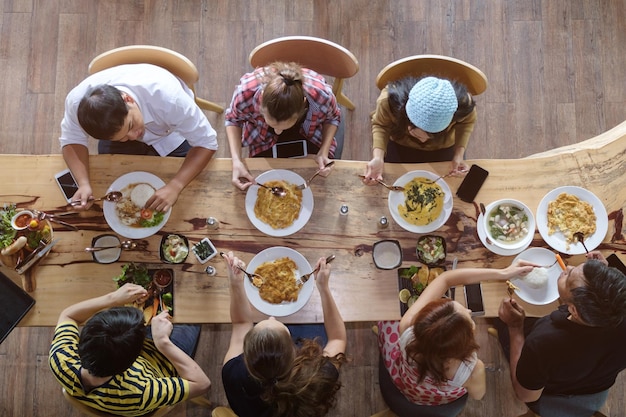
(245, 111)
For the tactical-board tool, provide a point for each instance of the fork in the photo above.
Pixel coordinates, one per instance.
(252, 277)
(440, 177)
(304, 278)
(389, 187)
(306, 183)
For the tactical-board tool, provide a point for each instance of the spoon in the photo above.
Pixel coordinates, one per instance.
(434, 181)
(256, 279)
(581, 238)
(389, 187)
(277, 191)
(483, 210)
(306, 184)
(112, 196)
(304, 278)
(127, 244)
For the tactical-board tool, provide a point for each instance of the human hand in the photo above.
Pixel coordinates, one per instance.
(128, 293)
(83, 194)
(459, 168)
(511, 313)
(323, 273)
(518, 268)
(322, 161)
(161, 327)
(374, 171)
(235, 274)
(164, 198)
(597, 255)
(242, 178)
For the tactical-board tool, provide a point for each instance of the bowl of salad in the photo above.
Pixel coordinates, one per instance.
(431, 249)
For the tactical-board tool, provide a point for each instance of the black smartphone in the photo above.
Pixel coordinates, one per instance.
(474, 299)
(67, 183)
(293, 149)
(616, 262)
(471, 183)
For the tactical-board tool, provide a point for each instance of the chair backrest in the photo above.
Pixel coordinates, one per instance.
(437, 65)
(92, 412)
(223, 412)
(320, 55)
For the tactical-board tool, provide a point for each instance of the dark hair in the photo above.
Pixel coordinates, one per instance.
(440, 333)
(300, 383)
(398, 94)
(102, 112)
(111, 341)
(283, 95)
(601, 301)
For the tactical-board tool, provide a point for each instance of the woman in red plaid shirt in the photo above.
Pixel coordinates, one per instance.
(281, 104)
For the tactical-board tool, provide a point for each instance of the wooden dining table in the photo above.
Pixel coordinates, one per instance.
(362, 292)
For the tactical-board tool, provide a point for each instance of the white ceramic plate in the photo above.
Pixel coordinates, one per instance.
(482, 235)
(557, 240)
(306, 209)
(539, 296)
(397, 197)
(109, 207)
(283, 309)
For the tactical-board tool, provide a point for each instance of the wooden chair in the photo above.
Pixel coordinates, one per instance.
(223, 412)
(437, 65)
(176, 63)
(320, 55)
(529, 413)
(92, 412)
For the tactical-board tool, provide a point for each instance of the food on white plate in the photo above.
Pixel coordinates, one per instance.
(537, 278)
(511, 287)
(508, 223)
(569, 214)
(279, 281)
(174, 249)
(431, 249)
(423, 201)
(130, 208)
(278, 212)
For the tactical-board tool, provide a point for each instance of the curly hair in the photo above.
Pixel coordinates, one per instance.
(283, 94)
(398, 94)
(111, 341)
(441, 333)
(102, 112)
(302, 383)
(601, 301)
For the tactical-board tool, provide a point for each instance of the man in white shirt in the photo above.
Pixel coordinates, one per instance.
(136, 109)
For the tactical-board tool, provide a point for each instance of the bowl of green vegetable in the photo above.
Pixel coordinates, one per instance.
(204, 250)
(431, 249)
(509, 223)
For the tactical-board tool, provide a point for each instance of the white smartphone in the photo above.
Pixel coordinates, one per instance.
(67, 184)
(474, 299)
(293, 149)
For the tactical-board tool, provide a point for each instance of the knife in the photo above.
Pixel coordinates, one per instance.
(36, 257)
(453, 289)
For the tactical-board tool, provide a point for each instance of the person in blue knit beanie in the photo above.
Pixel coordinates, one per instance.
(426, 119)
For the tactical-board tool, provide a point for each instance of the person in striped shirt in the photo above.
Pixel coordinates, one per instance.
(116, 364)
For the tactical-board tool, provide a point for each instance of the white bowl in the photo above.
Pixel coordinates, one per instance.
(29, 214)
(530, 224)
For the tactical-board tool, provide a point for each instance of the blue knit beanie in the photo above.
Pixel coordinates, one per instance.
(431, 104)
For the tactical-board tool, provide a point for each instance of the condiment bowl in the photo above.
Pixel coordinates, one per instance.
(21, 219)
(509, 223)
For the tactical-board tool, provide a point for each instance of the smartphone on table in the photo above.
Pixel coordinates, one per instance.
(474, 299)
(66, 183)
(616, 262)
(471, 184)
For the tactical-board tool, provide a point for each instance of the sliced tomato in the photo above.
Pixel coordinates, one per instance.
(146, 213)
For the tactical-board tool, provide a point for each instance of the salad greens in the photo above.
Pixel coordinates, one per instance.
(7, 232)
(156, 219)
(135, 274)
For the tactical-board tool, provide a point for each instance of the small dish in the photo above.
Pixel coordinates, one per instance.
(431, 250)
(22, 219)
(174, 249)
(106, 256)
(500, 215)
(387, 254)
(204, 250)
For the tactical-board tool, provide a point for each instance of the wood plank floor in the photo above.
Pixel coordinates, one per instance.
(556, 71)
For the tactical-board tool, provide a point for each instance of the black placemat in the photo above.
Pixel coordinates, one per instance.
(14, 304)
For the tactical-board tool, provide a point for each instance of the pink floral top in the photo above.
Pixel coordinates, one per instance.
(404, 375)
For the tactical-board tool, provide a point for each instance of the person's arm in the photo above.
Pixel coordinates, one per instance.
(458, 167)
(77, 159)
(476, 384)
(239, 167)
(512, 314)
(187, 368)
(328, 134)
(240, 310)
(437, 288)
(333, 323)
(81, 312)
(462, 132)
(196, 160)
(381, 121)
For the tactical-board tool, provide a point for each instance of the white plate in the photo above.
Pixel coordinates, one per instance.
(482, 235)
(306, 209)
(283, 309)
(397, 197)
(109, 207)
(539, 296)
(557, 240)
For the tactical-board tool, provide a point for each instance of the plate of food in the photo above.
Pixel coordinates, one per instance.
(128, 217)
(21, 232)
(279, 215)
(499, 250)
(412, 281)
(423, 206)
(540, 285)
(567, 210)
(280, 294)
